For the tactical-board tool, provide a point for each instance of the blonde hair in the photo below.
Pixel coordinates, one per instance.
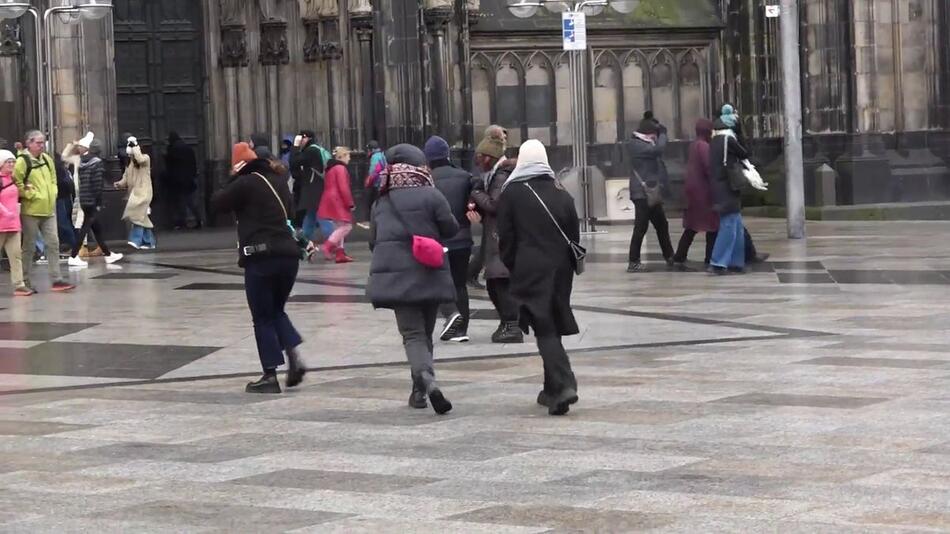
(341, 152)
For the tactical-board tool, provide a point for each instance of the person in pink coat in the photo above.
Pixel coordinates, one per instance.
(10, 223)
(336, 204)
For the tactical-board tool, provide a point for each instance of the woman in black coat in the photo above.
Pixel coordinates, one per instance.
(259, 197)
(410, 205)
(542, 265)
(726, 154)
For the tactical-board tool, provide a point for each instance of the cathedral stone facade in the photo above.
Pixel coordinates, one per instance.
(875, 81)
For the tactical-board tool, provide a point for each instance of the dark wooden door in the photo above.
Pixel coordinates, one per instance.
(159, 79)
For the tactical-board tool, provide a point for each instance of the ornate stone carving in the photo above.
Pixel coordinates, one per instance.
(360, 7)
(233, 46)
(472, 5)
(311, 43)
(10, 43)
(231, 12)
(274, 49)
(438, 18)
(331, 50)
(362, 24)
(438, 4)
(314, 9)
(271, 10)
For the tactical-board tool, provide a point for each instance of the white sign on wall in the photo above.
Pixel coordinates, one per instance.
(574, 31)
(773, 12)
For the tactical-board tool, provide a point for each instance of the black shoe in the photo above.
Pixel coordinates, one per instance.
(440, 404)
(544, 398)
(417, 399)
(295, 370)
(265, 384)
(561, 404)
(715, 270)
(759, 258)
(452, 328)
(475, 284)
(508, 333)
(634, 267)
(681, 267)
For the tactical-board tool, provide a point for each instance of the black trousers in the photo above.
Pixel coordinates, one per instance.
(458, 265)
(268, 282)
(645, 215)
(477, 262)
(686, 240)
(89, 224)
(750, 252)
(499, 291)
(183, 204)
(558, 374)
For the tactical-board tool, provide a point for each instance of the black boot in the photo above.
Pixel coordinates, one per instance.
(544, 398)
(296, 369)
(561, 404)
(508, 333)
(440, 404)
(417, 399)
(265, 384)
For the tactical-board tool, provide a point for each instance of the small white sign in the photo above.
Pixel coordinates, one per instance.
(574, 31)
(773, 12)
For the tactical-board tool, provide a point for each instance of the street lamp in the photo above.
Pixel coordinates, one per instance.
(574, 29)
(68, 14)
(10, 9)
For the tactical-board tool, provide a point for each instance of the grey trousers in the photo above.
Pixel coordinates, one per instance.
(32, 226)
(416, 325)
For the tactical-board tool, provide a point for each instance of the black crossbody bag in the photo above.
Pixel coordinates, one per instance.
(579, 253)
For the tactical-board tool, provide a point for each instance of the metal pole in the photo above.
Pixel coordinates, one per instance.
(40, 76)
(579, 147)
(792, 99)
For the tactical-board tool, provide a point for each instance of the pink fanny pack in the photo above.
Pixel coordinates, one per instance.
(427, 251)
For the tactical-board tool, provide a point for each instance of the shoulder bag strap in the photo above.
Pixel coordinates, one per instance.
(279, 201)
(551, 215)
(399, 216)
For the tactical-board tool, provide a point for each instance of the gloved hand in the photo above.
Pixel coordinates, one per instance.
(132, 141)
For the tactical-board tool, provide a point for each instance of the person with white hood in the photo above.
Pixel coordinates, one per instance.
(137, 178)
(537, 226)
(91, 172)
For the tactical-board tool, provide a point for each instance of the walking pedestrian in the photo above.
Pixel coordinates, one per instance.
(648, 177)
(91, 173)
(10, 225)
(377, 163)
(490, 158)
(35, 177)
(181, 181)
(726, 154)
(307, 165)
(730, 118)
(699, 215)
(65, 198)
(336, 205)
(137, 178)
(268, 252)
(536, 218)
(410, 210)
(455, 185)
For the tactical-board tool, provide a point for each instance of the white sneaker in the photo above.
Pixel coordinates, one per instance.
(114, 257)
(77, 262)
(134, 245)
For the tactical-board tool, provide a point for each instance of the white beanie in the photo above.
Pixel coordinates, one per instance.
(86, 141)
(6, 155)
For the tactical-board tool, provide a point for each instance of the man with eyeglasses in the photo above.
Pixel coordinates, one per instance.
(35, 177)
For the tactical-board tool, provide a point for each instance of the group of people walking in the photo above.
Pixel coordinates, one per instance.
(421, 240)
(712, 194)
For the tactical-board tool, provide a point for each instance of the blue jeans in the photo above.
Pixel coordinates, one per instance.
(267, 283)
(64, 223)
(310, 223)
(729, 250)
(141, 236)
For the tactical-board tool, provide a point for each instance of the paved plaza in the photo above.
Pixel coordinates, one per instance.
(811, 395)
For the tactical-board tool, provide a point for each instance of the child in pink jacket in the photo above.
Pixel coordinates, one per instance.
(10, 223)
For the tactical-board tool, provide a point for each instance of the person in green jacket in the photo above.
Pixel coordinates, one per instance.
(35, 178)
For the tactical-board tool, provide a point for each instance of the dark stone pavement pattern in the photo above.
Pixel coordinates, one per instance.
(769, 402)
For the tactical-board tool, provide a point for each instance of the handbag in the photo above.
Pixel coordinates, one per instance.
(654, 193)
(427, 251)
(303, 244)
(578, 252)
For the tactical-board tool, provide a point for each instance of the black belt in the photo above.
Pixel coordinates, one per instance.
(251, 250)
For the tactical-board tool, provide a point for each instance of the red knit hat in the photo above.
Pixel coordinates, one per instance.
(240, 155)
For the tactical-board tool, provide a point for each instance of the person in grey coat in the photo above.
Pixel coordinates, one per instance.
(410, 205)
(647, 170)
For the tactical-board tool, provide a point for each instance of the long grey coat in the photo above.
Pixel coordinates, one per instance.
(395, 277)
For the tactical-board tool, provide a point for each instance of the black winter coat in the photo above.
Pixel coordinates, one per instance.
(456, 185)
(539, 258)
(91, 171)
(487, 202)
(306, 166)
(260, 217)
(647, 160)
(395, 277)
(181, 168)
(725, 152)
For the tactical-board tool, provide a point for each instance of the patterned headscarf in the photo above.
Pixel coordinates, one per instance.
(404, 176)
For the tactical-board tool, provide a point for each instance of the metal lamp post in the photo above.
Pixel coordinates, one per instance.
(574, 30)
(14, 10)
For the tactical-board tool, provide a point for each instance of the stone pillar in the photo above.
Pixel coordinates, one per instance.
(12, 104)
(274, 53)
(331, 52)
(362, 66)
(438, 82)
(233, 55)
(401, 67)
